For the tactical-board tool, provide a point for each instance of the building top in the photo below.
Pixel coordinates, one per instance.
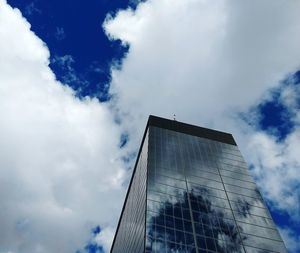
(191, 129)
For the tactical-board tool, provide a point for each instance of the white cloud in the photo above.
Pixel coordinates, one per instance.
(219, 54)
(59, 156)
(277, 163)
(205, 61)
(104, 238)
(290, 98)
(292, 240)
(277, 170)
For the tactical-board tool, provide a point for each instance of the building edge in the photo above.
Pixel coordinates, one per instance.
(129, 186)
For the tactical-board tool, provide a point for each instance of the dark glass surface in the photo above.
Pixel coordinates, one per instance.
(200, 198)
(195, 195)
(130, 234)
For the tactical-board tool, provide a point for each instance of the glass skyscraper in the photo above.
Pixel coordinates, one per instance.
(191, 193)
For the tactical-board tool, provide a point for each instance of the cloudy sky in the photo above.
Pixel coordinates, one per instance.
(78, 80)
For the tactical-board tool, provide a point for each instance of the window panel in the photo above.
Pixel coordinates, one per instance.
(263, 243)
(238, 198)
(256, 250)
(202, 174)
(255, 220)
(242, 191)
(205, 182)
(239, 176)
(235, 169)
(236, 182)
(259, 231)
(207, 191)
(247, 209)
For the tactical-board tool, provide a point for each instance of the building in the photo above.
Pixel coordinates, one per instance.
(191, 192)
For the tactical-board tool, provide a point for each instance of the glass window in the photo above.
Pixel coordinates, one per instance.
(235, 175)
(236, 182)
(205, 182)
(253, 219)
(263, 243)
(242, 191)
(241, 199)
(259, 231)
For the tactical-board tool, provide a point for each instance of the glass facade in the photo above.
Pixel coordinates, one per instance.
(199, 198)
(130, 236)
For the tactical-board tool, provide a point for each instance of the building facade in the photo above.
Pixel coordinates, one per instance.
(191, 193)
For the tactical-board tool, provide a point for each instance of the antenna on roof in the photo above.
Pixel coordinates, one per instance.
(174, 117)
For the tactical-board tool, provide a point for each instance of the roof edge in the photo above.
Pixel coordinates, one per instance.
(191, 129)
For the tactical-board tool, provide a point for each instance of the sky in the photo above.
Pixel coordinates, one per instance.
(78, 80)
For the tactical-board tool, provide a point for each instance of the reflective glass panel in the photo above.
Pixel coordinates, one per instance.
(193, 195)
(201, 198)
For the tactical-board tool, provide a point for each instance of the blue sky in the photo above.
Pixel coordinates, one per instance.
(73, 30)
(84, 82)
